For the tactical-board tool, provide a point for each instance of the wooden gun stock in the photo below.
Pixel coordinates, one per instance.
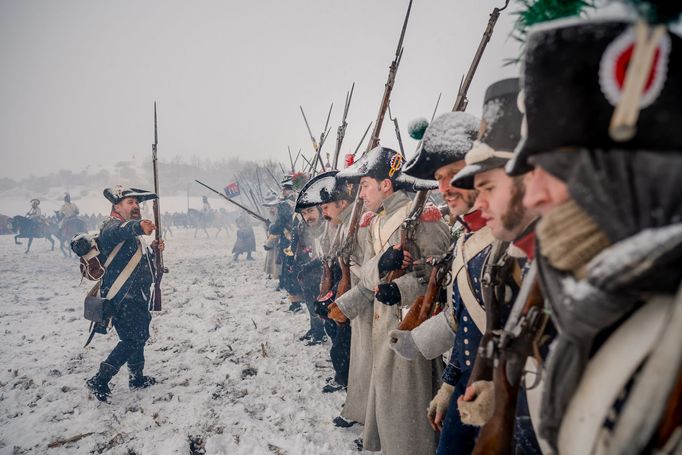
(496, 435)
(422, 308)
(344, 282)
(326, 280)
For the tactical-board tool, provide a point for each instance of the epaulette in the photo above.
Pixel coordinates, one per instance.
(366, 218)
(431, 214)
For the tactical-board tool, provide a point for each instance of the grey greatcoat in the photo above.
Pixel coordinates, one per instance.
(400, 390)
(360, 369)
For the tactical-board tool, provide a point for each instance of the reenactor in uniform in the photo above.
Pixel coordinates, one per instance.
(399, 389)
(307, 247)
(67, 210)
(127, 287)
(34, 212)
(602, 118)
(272, 267)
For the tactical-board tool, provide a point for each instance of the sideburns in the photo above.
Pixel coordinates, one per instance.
(515, 211)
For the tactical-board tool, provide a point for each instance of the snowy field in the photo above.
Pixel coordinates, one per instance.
(234, 379)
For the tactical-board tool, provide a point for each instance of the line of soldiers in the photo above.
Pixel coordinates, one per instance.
(558, 313)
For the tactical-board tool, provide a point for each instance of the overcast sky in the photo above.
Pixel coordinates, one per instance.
(79, 78)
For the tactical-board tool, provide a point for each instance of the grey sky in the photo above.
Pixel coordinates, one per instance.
(79, 78)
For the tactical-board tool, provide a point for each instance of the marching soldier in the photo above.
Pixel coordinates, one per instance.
(127, 287)
(399, 389)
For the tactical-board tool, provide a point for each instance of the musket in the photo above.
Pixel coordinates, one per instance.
(362, 139)
(158, 256)
(397, 131)
(250, 212)
(317, 147)
(427, 304)
(291, 160)
(509, 350)
(374, 140)
(461, 101)
(435, 108)
(273, 177)
(341, 131)
(326, 281)
(408, 232)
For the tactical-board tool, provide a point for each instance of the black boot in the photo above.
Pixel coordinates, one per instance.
(137, 380)
(99, 383)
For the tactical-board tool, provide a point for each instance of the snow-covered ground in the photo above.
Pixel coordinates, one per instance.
(234, 379)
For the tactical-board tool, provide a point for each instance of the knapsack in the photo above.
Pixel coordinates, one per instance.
(86, 247)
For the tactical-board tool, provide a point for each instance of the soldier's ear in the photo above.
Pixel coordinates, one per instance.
(386, 185)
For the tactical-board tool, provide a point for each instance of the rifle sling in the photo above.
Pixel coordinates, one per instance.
(382, 232)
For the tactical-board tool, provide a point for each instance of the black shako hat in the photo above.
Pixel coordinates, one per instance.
(322, 189)
(499, 133)
(446, 140)
(573, 77)
(383, 163)
(119, 192)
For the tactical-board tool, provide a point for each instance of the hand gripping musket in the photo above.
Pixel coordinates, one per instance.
(408, 230)
(427, 305)
(350, 240)
(250, 212)
(326, 282)
(341, 131)
(158, 256)
(509, 349)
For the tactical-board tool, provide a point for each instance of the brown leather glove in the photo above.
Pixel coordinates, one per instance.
(336, 315)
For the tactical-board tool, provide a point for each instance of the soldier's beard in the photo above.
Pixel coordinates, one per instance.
(514, 215)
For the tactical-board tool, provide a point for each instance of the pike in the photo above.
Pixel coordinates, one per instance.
(317, 147)
(158, 257)
(356, 213)
(250, 212)
(341, 131)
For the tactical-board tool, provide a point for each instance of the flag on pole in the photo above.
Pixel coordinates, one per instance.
(232, 189)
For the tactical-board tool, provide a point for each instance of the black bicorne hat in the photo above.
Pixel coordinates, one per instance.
(322, 189)
(119, 192)
(446, 140)
(499, 134)
(572, 79)
(383, 163)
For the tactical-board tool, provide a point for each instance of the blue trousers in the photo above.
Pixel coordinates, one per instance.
(340, 350)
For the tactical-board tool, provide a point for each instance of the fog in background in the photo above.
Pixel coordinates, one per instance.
(79, 78)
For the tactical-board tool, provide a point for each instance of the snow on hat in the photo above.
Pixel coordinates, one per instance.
(446, 140)
(322, 189)
(499, 134)
(119, 192)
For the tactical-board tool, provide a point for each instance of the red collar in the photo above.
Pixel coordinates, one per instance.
(527, 244)
(117, 216)
(474, 220)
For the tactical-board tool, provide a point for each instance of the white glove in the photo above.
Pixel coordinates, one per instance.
(439, 406)
(402, 343)
(479, 408)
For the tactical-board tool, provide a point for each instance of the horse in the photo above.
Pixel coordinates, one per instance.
(199, 220)
(66, 229)
(27, 228)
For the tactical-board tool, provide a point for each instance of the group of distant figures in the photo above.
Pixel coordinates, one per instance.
(68, 221)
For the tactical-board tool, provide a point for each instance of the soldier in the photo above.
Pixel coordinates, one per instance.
(246, 238)
(500, 201)
(68, 210)
(34, 213)
(307, 248)
(441, 155)
(126, 285)
(272, 268)
(399, 389)
(602, 132)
